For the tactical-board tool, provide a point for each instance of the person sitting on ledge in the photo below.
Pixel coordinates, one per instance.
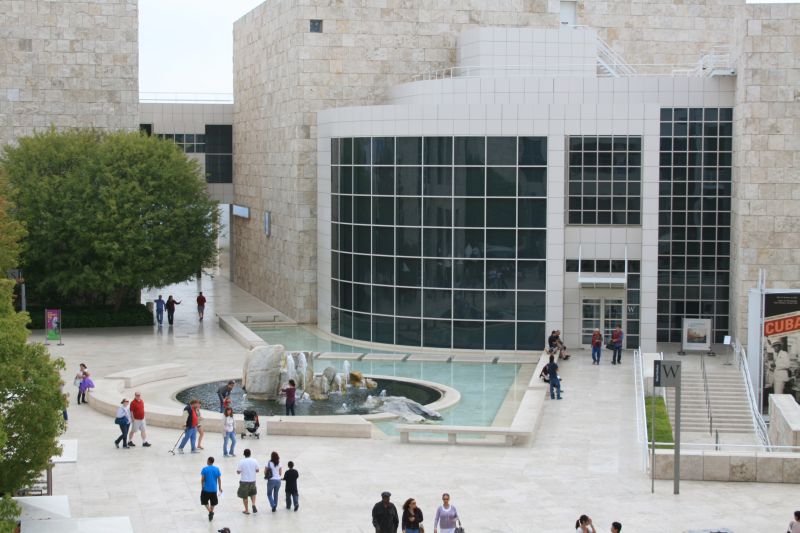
(554, 344)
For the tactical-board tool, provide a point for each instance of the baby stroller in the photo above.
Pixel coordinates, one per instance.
(251, 423)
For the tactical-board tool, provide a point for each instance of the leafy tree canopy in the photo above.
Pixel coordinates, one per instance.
(108, 214)
(11, 231)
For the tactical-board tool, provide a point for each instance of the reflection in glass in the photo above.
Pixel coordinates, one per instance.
(409, 271)
(468, 304)
(437, 303)
(409, 302)
(500, 335)
(468, 243)
(468, 212)
(468, 274)
(501, 151)
(469, 181)
(469, 151)
(437, 242)
(436, 333)
(468, 335)
(409, 241)
(500, 305)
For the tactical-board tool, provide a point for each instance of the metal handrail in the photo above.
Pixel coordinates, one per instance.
(712, 446)
(562, 70)
(759, 426)
(708, 397)
(178, 97)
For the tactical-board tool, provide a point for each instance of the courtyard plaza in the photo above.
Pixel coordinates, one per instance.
(584, 457)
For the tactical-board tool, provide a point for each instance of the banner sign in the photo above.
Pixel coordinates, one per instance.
(781, 345)
(52, 324)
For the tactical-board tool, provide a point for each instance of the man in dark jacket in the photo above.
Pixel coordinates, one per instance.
(384, 515)
(190, 428)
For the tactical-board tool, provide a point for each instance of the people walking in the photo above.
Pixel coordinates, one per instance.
(201, 305)
(247, 470)
(228, 433)
(291, 397)
(584, 525)
(210, 484)
(160, 310)
(170, 305)
(224, 392)
(384, 515)
(616, 339)
(555, 380)
(138, 424)
(123, 420)
(412, 517)
(446, 517)
(597, 346)
(273, 473)
(290, 478)
(794, 525)
(190, 426)
(616, 527)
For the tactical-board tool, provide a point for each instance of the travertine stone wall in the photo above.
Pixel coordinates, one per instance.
(68, 63)
(283, 75)
(766, 150)
(660, 33)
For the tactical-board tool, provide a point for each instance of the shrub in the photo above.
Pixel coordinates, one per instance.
(96, 317)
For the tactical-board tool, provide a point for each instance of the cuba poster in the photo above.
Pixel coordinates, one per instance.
(781, 345)
(52, 324)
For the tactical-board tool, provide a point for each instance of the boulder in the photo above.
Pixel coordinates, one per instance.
(329, 373)
(319, 388)
(262, 371)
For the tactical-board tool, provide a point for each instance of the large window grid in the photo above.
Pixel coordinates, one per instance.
(694, 219)
(605, 180)
(439, 241)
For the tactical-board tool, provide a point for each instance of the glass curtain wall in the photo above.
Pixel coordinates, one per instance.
(439, 241)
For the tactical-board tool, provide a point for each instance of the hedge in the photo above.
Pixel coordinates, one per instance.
(95, 317)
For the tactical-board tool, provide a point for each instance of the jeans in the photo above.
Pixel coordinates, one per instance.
(229, 435)
(292, 498)
(617, 356)
(555, 383)
(189, 434)
(289, 409)
(170, 316)
(124, 437)
(159, 315)
(596, 351)
(273, 486)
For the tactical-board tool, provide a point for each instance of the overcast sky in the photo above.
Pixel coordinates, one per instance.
(187, 45)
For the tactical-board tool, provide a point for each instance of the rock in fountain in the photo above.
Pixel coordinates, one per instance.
(268, 369)
(408, 410)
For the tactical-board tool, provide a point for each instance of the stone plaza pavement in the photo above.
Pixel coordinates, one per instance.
(583, 459)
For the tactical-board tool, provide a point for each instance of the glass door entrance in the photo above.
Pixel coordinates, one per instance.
(603, 313)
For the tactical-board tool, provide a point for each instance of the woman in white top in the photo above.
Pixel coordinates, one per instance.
(228, 432)
(273, 474)
(446, 516)
(584, 525)
(124, 421)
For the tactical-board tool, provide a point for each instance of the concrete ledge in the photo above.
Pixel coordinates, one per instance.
(510, 435)
(784, 420)
(148, 374)
(535, 381)
(529, 411)
(240, 333)
(351, 426)
(762, 467)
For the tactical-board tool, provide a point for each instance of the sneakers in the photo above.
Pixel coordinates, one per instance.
(210, 516)
(195, 451)
(296, 507)
(116, 443)
(180, 451)
(224, 455)
(254, 509)
(274, 509)
(130, 444)
(146, 444)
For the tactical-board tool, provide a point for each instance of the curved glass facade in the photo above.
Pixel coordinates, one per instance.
(439, 241)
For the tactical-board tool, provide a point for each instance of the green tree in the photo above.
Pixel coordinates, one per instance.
(11, 231)
(108, 214)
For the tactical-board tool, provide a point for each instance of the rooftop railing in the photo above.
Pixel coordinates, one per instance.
(193, 98)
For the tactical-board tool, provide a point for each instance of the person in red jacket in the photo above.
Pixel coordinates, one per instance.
(137, 414)
(201, 305)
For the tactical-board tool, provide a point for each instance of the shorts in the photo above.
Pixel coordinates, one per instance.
(138, 425)
(246, 488)
(206, 497)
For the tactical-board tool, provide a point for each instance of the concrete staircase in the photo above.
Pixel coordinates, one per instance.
(730, 408)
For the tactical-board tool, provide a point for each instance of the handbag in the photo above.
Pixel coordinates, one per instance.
(610, 345)
(459, 529)
(120, 420)
(77, 382)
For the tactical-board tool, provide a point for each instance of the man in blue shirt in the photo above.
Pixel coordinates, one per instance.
(160, 309)
(555, 381)
(211, 482)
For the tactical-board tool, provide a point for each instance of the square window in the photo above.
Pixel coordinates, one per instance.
(409, 272)
(409, 181)
(500, 305)
(533, 150)
(501, 243)
(468, 274)
(468, 335)
(469, 151)
(500, 274)
(409, 151)
(409, 302)
(315, 26)
(438, 150)
(409, 241)
(383, 150)
(501, 181)
(468, 305)
(468, 243)
(469, 181)
(530, 305)
(408, 331)
(437, 273)
(436, 333)
(437, 303)
(409, 211)
(468, 212)
(501, 212)
(501, 151)
(438, 212)
(500, 335)
(437, 242)
(437, 181)
(530, 335)
(383, 329)
(383, 270)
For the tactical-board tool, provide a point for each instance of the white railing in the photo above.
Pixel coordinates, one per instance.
(759, 426)
(641, 411)
(715, 447)
(612, 62)
(716, 62)
(194, 98)
(581, 70)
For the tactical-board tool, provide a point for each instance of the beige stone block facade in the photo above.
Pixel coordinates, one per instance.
(766, 211)
(66, 63)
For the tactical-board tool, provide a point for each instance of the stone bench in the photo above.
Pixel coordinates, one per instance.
(146, 374)
(240, 333)
(758, 467)
(350, 426)
(511, 435)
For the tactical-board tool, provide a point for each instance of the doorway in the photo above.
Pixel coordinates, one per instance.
(604, 312)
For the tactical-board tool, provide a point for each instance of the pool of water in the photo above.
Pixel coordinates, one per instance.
(483, 387)
(351, 403)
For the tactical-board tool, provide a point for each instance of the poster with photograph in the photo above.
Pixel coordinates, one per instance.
(781, 345)
(696, 334)
(52, 322)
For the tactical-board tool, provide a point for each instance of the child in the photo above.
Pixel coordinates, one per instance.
(290, 477)
(86, 384)
(291, 397)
